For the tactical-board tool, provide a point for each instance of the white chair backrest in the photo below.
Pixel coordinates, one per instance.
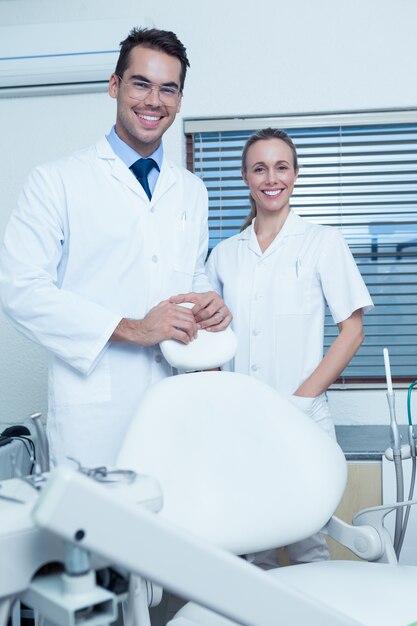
(238, 464)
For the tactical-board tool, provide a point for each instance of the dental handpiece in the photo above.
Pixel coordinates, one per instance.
(42, 442)
(395, 433)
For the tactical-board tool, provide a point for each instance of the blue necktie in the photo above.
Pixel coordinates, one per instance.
(141, 169)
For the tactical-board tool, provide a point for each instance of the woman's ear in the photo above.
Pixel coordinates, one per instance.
(243, 174)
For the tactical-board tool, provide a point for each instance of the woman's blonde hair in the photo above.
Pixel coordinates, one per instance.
(262, 135)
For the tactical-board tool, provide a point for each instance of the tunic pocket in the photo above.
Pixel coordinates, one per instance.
(293, 289)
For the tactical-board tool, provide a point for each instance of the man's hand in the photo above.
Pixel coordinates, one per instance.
(209, 310)
(165, 321)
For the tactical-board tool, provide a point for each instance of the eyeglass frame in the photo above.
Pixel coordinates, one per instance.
(153, 87)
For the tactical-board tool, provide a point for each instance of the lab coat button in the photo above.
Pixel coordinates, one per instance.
(158, 358)
(255, 332)
(254, 368)
(155, 258)
(257, 296)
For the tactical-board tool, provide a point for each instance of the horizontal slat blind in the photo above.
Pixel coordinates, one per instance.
(361, 179)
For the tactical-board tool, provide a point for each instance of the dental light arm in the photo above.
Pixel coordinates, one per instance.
(83, 511)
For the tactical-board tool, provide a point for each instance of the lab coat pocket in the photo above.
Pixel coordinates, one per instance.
(186, 245)
(71, 387)
(293, 289)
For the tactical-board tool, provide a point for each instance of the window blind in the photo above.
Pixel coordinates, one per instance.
(358, 177)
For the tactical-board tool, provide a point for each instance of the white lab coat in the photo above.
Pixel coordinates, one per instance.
(84, 248)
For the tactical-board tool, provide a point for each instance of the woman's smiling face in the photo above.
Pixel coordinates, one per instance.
(270, 175)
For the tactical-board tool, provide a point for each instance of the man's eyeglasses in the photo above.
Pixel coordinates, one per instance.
(140, 90)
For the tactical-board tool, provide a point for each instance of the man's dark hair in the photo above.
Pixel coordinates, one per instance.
(162, 40)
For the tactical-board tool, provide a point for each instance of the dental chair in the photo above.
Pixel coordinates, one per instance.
(242, 469)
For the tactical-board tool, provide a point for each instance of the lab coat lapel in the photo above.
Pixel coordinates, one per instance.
(166, 180)
(118, 168)
(125, 176)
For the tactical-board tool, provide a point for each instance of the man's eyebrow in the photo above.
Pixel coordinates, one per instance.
(146, 80)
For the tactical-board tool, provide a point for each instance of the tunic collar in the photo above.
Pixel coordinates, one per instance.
(293, 225)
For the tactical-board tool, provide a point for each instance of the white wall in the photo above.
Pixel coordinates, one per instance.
(270, 58)
(35, 130)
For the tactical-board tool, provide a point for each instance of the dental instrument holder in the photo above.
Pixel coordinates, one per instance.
(396, 450)
(412, 437)
(395, 433)
(412, 441)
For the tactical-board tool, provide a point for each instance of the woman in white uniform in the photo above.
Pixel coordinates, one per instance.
(276, 276)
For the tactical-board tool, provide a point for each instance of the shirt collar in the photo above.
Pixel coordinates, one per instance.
(127, 154)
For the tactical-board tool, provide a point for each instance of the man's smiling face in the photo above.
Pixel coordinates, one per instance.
(141, 124)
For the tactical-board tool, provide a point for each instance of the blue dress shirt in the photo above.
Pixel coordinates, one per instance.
(130, 156)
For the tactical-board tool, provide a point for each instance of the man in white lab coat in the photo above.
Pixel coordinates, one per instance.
(93, 256)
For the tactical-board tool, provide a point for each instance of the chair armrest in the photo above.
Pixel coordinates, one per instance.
(365, 540)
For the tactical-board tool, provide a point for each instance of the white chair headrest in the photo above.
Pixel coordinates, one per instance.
(207, 351)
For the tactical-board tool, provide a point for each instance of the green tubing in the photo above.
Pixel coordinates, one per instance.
(410, 389)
